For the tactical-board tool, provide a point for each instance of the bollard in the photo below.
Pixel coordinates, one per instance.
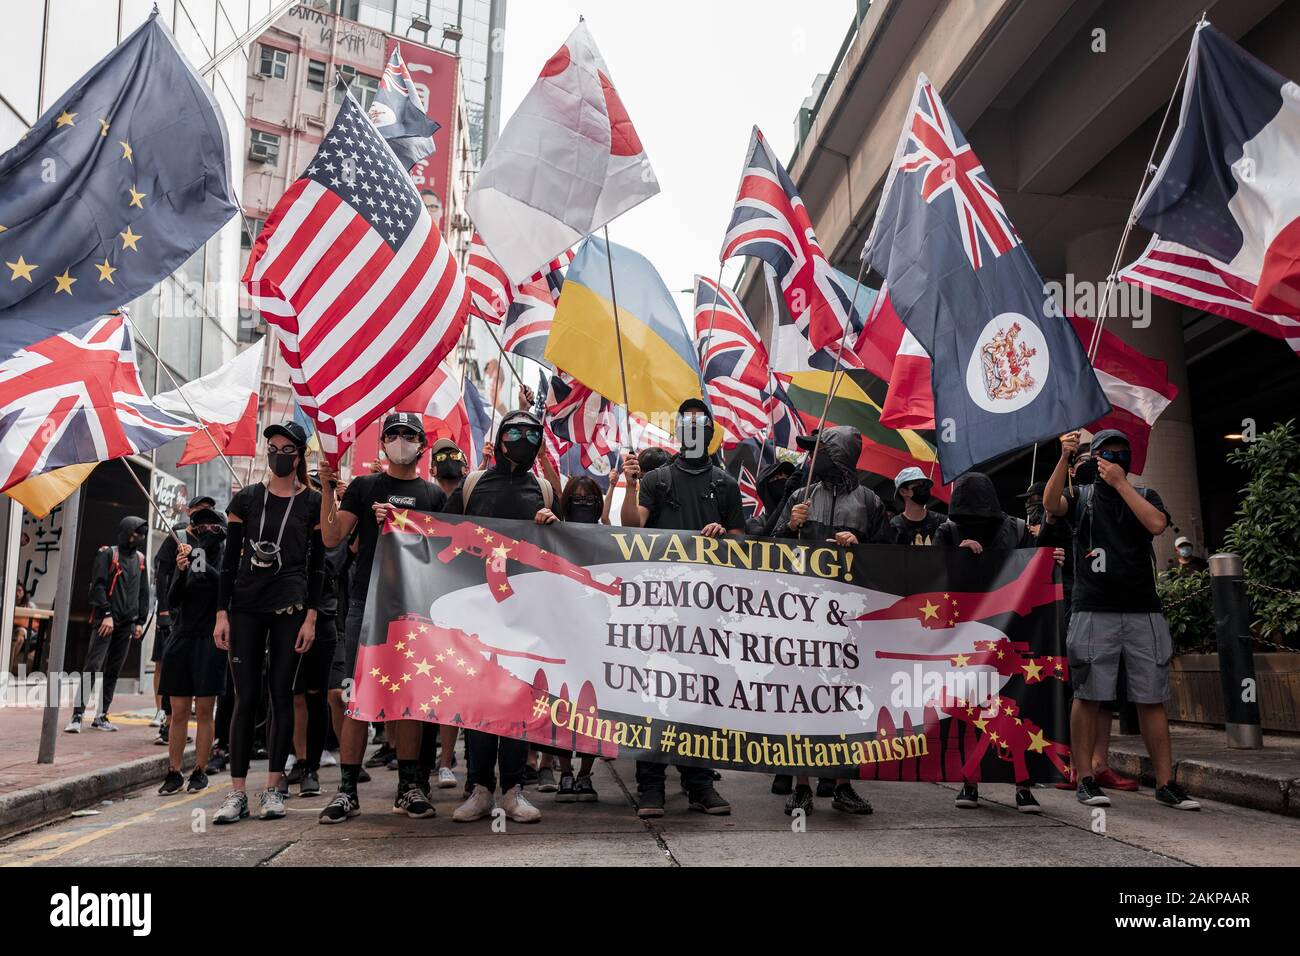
(1236, 659)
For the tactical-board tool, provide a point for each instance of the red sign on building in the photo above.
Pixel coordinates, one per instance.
(437, 77)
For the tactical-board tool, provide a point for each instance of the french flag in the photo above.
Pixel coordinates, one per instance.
(1227, 188)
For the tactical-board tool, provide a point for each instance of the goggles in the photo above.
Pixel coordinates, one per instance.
(449, 456)
(531, 435)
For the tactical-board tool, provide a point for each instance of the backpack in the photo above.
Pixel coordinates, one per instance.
(472, 479)
(115, 567)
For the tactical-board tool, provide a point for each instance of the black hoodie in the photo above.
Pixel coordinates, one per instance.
(120, 569)
(839, 502)
(976, 513)
(505, 490)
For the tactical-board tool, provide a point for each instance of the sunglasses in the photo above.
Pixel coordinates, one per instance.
(584, 500)
(531, 435)
(398, 433)
(449, 456)
(206, 528)
(289, 450)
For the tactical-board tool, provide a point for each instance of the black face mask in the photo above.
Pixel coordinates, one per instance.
(211, 543)
(583, 512)
(825, 468)
(1086, 473)
(450, 469)
(521, 453)
(921, 496)
(1034, 514)
(127, 543)
(282, 465)
(776, 488)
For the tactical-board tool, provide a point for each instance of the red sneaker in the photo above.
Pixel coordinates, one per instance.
(1110, 780)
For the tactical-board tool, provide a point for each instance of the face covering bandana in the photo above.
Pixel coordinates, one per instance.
(694, 434)
(584, 510)
(1034, 514)
(281, 464)
(401, 451)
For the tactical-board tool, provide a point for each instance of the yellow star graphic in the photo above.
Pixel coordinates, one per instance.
(471, 672)
(480, 531)
(451, 652)
(401, 521)
(488, 538)
(136, 196)
(406, 678)
(129, 240)
(929, 609)
(400, 645)
(424, 667)
(64, 283)
(460, 662)
(106, 271)
(424, 628)
(440, 657)
(126, 150)
(961, 660)
(374, 672)
(22, 268)
(437, 680)
(1037, 742)
(65, 119)
(447, 691)
(424, 708)
(994, 737)
(1032, 670)
(393, 687)
(503, 587)
(981, 724)
(410, 654)
(436, 700)
(500, 551)
(384, 680)
(103, 127)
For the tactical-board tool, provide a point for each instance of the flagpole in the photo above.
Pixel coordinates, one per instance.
(188, 404)
(253, 33)
(162, 515)
(618, 332)
(836, 375)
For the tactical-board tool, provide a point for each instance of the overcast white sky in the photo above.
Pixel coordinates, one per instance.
(695, 78)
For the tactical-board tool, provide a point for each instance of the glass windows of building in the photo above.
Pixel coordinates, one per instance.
(264, 147)
(274, 63)
(364, 86)
(315, 75)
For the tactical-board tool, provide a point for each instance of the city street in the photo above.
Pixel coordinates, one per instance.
(913, 824)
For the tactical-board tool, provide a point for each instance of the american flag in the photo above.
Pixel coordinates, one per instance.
(353, 272)
(1184, 275)
(769, 222)
(750, 499)
(74, 398)
(491, 293)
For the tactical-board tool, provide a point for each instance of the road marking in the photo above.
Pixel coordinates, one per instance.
(91, 837)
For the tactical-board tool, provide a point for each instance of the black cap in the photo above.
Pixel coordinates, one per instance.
(809, 441)
(1109, 434)
(695, 405)
(200, 500)
(409, 420)
(1037, 488)
(208, 516)
(290, 430)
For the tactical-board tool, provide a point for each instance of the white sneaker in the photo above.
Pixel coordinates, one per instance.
(446, 778)
(476, 807)
(327, 759)
(74, 727)
(157, 719)
(518, 808)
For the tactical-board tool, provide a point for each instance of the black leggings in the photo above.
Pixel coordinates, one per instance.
(251, 632)
(312, 683)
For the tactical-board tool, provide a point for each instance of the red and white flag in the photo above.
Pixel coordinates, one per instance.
(440, 403)
(354, 274)
(568, 161)
(226, 402)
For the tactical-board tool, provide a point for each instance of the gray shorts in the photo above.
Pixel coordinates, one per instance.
(1096, 642)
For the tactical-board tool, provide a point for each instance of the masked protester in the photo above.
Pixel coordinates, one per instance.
(119, 604)
(366, 506)
(267, 601)
(772, 483)
(689, 493)
(194, 668)
(1186, 559)
(915, 524)
(1117, 615)
(507, 489)
(838, 509)
(447, 464)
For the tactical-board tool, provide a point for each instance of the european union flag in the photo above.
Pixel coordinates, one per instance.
(116, 185)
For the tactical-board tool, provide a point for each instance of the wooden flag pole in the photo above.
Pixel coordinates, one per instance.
(618, 335)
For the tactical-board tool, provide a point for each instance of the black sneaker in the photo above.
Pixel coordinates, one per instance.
(650, 803)
(825, 787)
(847, 800)
(295, 775)
(343, 807)
(530, 776)
(198, 781)
(363, 776)
(800, 799)
(567, 790)
(414, 804)
(1091, 795)
(309, 784)
(585, 790)
(423, 781)
(381, 757)
(283, 786)
(710, 801)
(172, 783)
(783, 784)
(1025, 801)
(969, 797)
(392, 763)
(217, 762)
(546, 781)
(1172, 795)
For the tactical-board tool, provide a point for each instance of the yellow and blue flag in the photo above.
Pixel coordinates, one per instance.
(658, 354)
(117, 185)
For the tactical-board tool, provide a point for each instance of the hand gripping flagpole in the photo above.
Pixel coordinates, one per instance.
(618, 335)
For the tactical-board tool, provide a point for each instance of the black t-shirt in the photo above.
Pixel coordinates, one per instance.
(678, 499)
(1114, 568)
(380, 488)
(915, 532)
(282, 584)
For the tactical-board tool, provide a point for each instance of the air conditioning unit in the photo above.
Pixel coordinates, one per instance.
(260, 153)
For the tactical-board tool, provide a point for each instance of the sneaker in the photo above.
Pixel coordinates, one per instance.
(546, 781)
(293, 774)
(710, 801)
(1091, 795)
(381, 757)
(363, 775)
(530, 776)
(1066, 784)
(392, 763)
(422, 781)
(783, 784)
(446, 778)
(476, 807)
(309, 785)
(1113, 781)
(517, 807)
(343, 807)
(102, 723)
(1025, 801)
(217, 762)
(74, 726)
(800, 799)
(327, 759)
(157, 719)
(847, 800)
(282, 788)
(1172, 795)
(198, 781)
(567, 791)
(825, 787)
(271, 805)
(233, 809)
(161, 739)
(969, 797)
(584, 789)
(172, 783)
(290, 762)
(414, 804)
(650, 803)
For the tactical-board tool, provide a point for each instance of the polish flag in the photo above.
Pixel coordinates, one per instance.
(909, 403)
(225, 401)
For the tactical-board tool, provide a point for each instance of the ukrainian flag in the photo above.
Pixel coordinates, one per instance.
(658, 354)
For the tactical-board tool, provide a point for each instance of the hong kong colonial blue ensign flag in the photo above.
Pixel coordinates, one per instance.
(1008, 370)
